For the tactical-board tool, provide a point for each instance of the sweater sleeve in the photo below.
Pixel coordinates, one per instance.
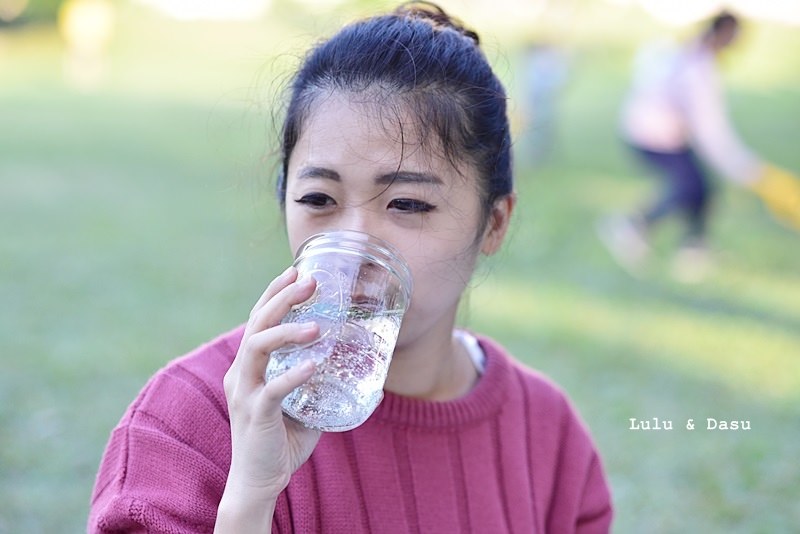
(595, 510)
(165, 465)
(582, 500)
(713, 133)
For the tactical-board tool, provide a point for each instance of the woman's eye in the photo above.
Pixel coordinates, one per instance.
(410, 205)
(316, 200)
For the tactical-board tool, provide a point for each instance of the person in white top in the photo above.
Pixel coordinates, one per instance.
(674, 117)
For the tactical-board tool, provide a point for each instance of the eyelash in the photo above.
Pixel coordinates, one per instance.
(407, 205)
(315, 200)
(411, 205)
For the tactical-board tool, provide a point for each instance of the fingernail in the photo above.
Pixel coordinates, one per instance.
(307, 327)
(307, 366)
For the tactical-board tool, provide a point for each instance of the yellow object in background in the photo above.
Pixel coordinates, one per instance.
(87, 27)
(779, 189)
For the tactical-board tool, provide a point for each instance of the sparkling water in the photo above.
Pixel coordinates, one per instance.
(352, 360)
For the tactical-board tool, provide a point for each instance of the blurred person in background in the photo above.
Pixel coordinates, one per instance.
(675, 119)
(544, 72)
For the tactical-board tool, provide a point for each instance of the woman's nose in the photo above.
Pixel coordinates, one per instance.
(359, 219)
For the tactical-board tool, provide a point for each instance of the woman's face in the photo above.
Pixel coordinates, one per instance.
(349, 171)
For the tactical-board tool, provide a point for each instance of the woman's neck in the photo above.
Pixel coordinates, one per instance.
(436, 366)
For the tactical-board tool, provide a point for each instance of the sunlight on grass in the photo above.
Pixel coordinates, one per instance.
(775, 294)
(746, 352)
(755, 65)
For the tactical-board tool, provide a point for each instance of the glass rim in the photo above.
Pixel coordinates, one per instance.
(374, 248)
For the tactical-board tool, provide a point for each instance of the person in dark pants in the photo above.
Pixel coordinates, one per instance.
(687, 191)
(675, 120)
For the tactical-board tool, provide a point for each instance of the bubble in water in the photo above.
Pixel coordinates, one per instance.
(351, 370)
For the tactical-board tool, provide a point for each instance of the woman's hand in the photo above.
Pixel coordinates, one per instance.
(267, 448)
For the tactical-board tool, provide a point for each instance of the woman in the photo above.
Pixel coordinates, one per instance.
(396, 126)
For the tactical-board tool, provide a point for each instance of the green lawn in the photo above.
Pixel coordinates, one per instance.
(136, 221)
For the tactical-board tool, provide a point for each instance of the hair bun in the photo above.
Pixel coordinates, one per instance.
(437, 16)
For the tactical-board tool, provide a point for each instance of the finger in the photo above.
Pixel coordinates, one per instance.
(271, 313)
(254, 353)
(277, 388)
(282, 280)
(276, 308)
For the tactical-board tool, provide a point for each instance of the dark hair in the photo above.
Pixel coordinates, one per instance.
(722, 21)
(433, 64)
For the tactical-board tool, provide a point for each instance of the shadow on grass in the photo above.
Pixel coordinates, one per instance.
(668, 481)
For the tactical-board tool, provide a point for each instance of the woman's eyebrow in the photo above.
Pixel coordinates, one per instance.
(319, 172)
(384, 179)
(408, 177)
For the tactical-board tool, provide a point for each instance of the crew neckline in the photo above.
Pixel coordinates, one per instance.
(481, 402)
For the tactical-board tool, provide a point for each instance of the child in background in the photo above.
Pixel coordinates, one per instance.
(674, 119)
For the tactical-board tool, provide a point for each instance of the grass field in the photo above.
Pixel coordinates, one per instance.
(136, 221)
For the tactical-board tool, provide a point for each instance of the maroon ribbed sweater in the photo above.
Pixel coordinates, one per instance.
(511, 456)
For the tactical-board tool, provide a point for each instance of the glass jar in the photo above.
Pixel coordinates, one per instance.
(363, 290)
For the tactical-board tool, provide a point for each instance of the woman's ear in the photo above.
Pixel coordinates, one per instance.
(497, 226)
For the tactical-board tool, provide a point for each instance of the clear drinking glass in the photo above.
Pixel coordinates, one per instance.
(363, 290)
